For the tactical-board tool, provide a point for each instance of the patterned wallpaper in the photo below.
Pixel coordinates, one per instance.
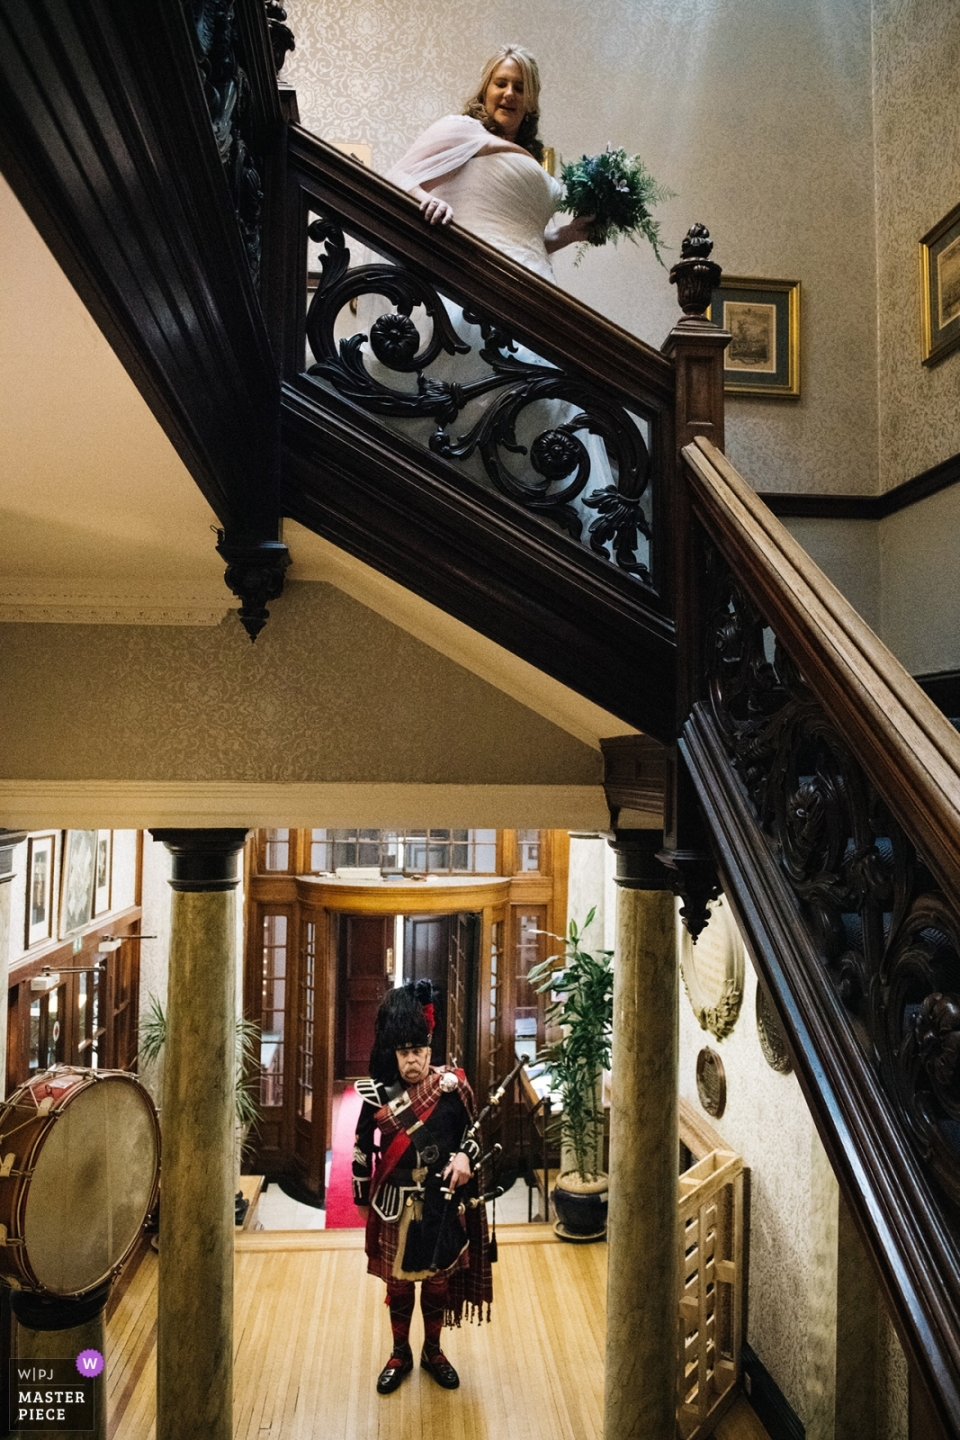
(371, 703)
(756, 113)
(917, 107)
(794, 1226)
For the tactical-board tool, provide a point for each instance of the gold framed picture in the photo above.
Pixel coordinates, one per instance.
(41, 852)
(940, 288)
(763, 317)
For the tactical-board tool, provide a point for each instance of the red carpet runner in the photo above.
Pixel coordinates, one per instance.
(341, 1211)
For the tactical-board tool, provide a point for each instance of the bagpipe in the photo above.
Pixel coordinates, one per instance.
(441, 1231)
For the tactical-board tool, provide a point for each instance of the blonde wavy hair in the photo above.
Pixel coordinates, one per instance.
(527, 136)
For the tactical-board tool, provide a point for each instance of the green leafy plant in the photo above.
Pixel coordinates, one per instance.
(583, 985)
(618, 190)
(153, 1037)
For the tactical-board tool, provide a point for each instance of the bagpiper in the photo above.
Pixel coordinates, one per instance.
(425, 1220)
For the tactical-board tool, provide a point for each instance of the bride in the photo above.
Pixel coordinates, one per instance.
(586, 459)
(483, 167)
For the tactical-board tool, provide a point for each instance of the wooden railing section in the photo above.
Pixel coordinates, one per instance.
(711, 1262)
(831, 790)
(484, 555)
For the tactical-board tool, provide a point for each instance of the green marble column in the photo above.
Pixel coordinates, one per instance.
(640, 1380)
(198, 1176)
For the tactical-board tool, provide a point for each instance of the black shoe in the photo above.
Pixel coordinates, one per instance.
(440, 1368)
(396, 1369)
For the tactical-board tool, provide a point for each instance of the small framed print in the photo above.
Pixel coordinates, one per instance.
(104, 872)
(41, 852)
(940, 288)
(763, 317)
(79, 874)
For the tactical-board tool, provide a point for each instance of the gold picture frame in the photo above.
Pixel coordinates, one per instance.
(763, 317)
(940, 289)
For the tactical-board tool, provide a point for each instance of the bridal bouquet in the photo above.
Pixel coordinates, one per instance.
(618, 190)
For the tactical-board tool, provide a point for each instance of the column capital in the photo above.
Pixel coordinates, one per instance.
(638, 865)
(203, 860)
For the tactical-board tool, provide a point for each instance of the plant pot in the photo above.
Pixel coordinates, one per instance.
(581, 1206)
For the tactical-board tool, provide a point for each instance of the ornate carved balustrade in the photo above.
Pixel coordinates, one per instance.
(470, 356)
(831, 785)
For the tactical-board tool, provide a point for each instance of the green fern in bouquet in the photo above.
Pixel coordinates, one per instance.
(618, 190)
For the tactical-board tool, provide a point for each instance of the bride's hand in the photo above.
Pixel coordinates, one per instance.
(575, 232)
(436, 211)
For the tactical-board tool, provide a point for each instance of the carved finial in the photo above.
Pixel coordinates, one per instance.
(695, 275)
(697, 884)
(281, 36)
(254, 573)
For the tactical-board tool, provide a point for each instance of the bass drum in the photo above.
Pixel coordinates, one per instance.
(79, 1171)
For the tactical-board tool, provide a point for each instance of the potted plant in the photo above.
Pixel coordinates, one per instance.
(153, 1037)
(581, 987)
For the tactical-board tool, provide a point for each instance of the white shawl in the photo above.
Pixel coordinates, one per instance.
(443, 148)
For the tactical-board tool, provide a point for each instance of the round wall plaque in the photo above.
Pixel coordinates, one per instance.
(773, 1042)
(711, 1082)
(712, 970)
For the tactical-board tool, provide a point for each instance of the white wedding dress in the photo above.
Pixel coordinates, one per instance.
(508, 200)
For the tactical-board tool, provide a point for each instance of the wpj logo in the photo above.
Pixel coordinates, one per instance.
(55, 1394)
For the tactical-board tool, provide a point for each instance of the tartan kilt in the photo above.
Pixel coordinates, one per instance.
(381, 1243)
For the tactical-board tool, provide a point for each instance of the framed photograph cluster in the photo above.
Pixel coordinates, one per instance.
(763, 317)
(940, 288)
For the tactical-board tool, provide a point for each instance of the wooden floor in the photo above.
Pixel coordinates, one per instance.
(312, 1332)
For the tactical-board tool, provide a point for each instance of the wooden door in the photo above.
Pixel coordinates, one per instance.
(364, 981)
(426, 956)
(463, 939)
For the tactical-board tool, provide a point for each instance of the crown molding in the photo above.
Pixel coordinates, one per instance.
(39, 602)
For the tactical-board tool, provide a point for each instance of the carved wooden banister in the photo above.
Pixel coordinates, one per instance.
(478, 516)
(831, 789)
(467, 268)
(908, 747)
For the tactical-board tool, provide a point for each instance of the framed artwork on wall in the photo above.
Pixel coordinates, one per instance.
(940, 288)
(41, 851)
(763, 317)
(104, 872)
(79, 875)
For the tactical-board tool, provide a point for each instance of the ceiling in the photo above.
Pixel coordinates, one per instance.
(101, 523)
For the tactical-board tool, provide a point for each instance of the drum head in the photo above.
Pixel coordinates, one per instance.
(92, 1186)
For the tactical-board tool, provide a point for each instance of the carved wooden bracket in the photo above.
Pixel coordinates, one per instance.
(255, 571)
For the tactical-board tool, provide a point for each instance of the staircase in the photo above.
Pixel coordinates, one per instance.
(805, 772)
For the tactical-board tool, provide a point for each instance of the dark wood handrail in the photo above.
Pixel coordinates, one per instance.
(569, 334)
(909, 749)
(832, 796)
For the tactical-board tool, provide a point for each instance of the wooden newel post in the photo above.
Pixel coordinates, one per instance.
(696, 346)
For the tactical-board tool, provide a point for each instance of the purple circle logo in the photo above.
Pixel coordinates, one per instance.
(90, 1362)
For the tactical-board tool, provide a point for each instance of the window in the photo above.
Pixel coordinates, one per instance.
(46, 1029)
(496, 1003)
(305, 1023)
(528, 849)
(272, 1008)
(90, 1009)
(409, 852)
(527, 1023)
(276, 850)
